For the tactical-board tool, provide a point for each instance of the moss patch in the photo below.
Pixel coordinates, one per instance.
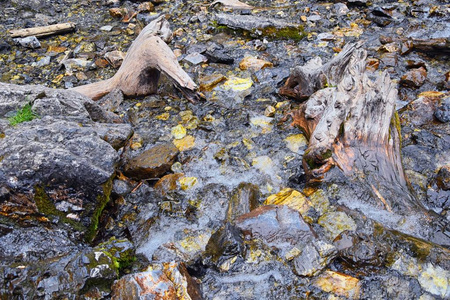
(102, 200)
(46, 207)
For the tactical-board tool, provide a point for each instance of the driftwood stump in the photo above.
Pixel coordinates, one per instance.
(148, 56)
(351, 122)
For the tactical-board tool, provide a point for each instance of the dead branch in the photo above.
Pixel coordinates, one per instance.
(43, 30)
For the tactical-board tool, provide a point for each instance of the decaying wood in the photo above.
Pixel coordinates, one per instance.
(148, 56)
(352, 124)
(43, 30)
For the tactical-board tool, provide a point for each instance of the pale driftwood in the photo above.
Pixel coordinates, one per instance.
(352, 125)
(233, 4)
(139, 73)
(43, 30)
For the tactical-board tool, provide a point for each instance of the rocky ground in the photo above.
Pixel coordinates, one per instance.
(158, 197)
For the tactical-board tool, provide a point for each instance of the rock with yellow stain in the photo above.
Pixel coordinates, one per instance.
(207, 83)
(354, 30)
(193, 246)
(237, 84)
(296, 142)
(178, 132)
(292, 198)
(269, 111)
(336, 222)
(435, 280)
(265, 123)
(185, 143)
(431, 94)
(164, 116)
(254, 64)
(187, 182)
(319, 201)
(339, 284)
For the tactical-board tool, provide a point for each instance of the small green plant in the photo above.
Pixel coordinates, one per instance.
(25, 114)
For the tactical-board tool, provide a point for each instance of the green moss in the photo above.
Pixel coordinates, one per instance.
(395, 122)
(46, 207)
(295, 33)
(102, 200)
(120, 251)
(25, 114)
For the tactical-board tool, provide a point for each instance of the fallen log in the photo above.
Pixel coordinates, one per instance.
(147, 58)
(43, 30)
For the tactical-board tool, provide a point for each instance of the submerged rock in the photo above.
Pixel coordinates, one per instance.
(278, 226)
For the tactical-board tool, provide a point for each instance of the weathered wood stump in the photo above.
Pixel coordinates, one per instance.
(147, 58)
(351, 122)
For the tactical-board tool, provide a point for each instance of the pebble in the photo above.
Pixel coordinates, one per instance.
(195, 58)
(414, 78)
(28, 42)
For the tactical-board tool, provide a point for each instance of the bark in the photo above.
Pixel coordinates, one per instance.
(351, 123)
(147, 58)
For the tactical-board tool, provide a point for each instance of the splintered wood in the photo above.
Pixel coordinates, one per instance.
(351, 123)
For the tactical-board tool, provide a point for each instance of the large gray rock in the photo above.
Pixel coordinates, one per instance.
(63, 159)
(45, 264)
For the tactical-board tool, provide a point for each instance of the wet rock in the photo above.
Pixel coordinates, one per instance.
(380, 16)
(435, 280)
(340, 9)
(278, 226)
(115, 58)
(167, 281)
(339, 284)
(112, 100)
(218, 56)
(152, 163)
(420, 111)
(443, 178)
(195, 58)
(152, 284)
(254, 64)
(49, 263)
(207, 83)
(336, 222)
(187, 183)
(225, 244)
(361, 250)
(121, 187)
(60, 152)
(442, 112)
(292, 198)
(4, 47)
(28, 42)
(414, 78)
(185, 143)
(314, 257)
(390, 59)
(233, 91)
(244, 199)
(168, 183)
